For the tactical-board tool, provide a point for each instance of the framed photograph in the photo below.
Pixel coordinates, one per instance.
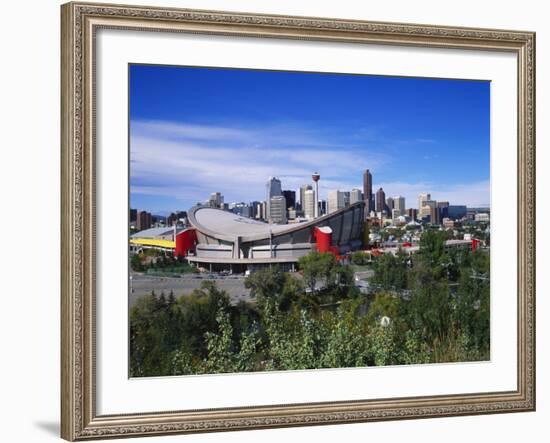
(277, 221)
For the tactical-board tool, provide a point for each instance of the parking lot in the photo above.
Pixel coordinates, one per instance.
(141, 284)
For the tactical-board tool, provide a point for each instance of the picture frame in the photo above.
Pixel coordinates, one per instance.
(79, 205)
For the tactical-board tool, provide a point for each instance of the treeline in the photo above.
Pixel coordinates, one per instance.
(431, 307)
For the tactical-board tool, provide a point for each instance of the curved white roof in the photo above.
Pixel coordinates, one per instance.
(226, 225)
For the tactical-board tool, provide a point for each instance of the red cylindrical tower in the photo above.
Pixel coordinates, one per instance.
(323, 238)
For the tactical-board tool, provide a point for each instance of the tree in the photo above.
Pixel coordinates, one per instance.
(223, 355)
(268, 283)
(430, 308)
(390, 272)
(383, 305)
(359, 258)
(432, 246)
(136, 264)
(317, 266)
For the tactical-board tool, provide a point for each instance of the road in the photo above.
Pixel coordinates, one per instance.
(143, 284)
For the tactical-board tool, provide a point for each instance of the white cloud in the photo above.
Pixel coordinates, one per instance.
(188, 162)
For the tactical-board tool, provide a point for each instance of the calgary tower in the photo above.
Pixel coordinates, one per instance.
(315, 176)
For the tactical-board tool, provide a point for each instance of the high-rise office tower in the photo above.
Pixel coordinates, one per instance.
(429, 208)
(322, 207)
(355, 196)
(273, 189)
(443, 208)
(215, 200)
(380, 201)
(367, 191)
(347, 198)
(303, 190)
(290, 197)
(308, 204)
(336, 200)
(421, 199)
(277, 209)
(389, 204)
(144, 220)
(399, 204)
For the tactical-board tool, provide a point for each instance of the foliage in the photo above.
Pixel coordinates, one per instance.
(136, 263)
(390, 272)
(431, 307)
(318, 267)
(360, 258)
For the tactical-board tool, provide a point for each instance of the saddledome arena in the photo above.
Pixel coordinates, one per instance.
(221, 240)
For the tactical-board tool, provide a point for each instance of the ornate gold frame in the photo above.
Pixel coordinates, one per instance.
(79, 420)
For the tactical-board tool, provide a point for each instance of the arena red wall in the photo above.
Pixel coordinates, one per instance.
(185, 242)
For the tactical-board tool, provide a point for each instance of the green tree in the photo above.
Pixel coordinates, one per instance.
(359, 258)
(273, 283)
(316, 267)
(136, 263)
(390, 272)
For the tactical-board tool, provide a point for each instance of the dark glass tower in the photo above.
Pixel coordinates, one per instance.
(367, 190)
(380, 200)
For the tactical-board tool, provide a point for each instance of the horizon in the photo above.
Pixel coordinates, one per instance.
(415, 135)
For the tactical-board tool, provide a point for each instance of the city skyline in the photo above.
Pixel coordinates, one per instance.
(178, 158)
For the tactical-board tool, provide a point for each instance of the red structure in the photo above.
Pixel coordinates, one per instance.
(323, 238)
(475, 244)
(185, 242)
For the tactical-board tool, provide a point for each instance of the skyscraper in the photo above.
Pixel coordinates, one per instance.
(347, 198)
(277, 209)
(399, 204)
(303, 190)
(273, 189)
(308, 204)
(380, 200)
(215, 200)
(144, 220)
(443, 208)
(421, 199)
(290, 197)
(367, 191)
(390, 204)
(429, 208)
(355, 196)
(336, 200)
(322, 207)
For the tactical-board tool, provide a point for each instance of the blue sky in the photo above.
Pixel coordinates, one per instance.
(194, 131)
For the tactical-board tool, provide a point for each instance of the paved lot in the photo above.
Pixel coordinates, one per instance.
(144, 284)
(141, 284)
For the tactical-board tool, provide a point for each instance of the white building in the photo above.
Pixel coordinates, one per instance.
(336, 200)
(355, 196)
(309, 203)
(481, 217)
